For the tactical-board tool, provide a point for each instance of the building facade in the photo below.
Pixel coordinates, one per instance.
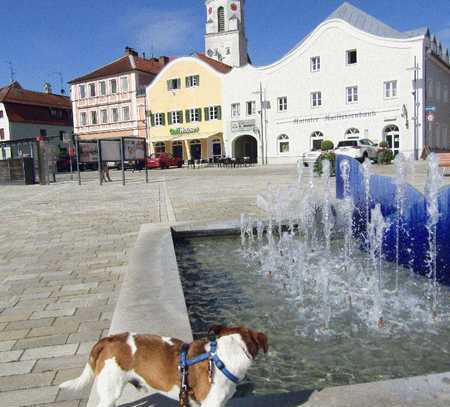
(110, 102)
(352, 77)
(27, 115)
(185, 103)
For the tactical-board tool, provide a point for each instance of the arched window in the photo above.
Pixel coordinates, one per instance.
(216, 147)
(352, 133)
(159, 147)
(391, 135)
(283, 144)
(316, 140)
(221, 19)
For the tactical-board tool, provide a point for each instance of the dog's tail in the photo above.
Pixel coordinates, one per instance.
(81, 382)
(88, 374)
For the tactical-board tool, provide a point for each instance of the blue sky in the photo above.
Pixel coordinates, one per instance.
(42, 37)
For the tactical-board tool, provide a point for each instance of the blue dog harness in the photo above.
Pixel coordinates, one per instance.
(211, 356)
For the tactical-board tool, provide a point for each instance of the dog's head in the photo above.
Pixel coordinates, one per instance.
(255, 341)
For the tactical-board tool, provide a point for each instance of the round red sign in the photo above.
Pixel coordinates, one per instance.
(210, 10)
(234, 6)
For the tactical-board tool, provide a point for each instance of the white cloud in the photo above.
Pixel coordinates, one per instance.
(164, 32)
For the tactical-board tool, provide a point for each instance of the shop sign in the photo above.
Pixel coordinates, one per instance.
(243, 125)
(184, 130)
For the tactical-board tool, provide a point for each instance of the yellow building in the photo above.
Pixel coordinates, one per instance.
(185, 108)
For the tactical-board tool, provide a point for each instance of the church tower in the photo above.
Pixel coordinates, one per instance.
(225, 38)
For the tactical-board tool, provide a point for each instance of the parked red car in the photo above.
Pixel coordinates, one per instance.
(163, 160)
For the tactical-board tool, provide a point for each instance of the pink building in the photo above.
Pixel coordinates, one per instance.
(110, 101)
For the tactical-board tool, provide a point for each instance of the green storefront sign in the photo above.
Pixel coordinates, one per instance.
(184, 130)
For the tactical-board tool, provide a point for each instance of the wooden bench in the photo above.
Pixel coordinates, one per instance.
(444, 161)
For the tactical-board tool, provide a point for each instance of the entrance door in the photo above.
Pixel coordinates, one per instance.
(392, 137)
(246, 146)
(196, 150)
(177, 149)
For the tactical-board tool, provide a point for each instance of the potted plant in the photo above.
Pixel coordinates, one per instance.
(327, 147)
(385, 155)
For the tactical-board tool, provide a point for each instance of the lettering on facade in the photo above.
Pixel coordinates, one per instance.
(184, 130)
(243, 125)
(336, 117)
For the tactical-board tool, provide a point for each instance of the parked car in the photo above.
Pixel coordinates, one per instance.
(311, 157)
(163, 160)
(358, 149)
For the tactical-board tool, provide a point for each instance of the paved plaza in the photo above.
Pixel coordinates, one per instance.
(64, 250)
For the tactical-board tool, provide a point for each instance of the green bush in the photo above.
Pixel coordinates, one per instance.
(326, 145)
(383, 144)
(385, 156)
(331, 157)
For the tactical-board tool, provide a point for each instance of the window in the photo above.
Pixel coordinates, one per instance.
(159, 119)
(126, 113)
(316, 138)
(93, 117)
(176, 117)
(352, 94)
(221, 19)
(83, 118)
(235, 110)
(1, 114)
(113, 86)
(352, 133)
(430, 88)
(92, 90)
(193, 115)
(2, 134)
(115, 115)
(104, 116)
(173, 84)
(283, 144)
(192, 81)
(390, 89)
(316, 99)
(159, 147)
(102, 88)
(352, 57)
(315, 64)
(82, 90)
(438, 91)
(282, 104)
(124, 84)
(251, 108)
(445, 95)
(213, 113)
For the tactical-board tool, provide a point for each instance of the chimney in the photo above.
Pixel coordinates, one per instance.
(47, 88)
(163, 60)
(130, 51)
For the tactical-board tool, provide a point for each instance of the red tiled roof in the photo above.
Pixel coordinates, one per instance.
(20, 113)
(218, 66)
(127, 63)
(14, 93)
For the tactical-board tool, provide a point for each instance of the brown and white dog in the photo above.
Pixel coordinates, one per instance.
(151, 362)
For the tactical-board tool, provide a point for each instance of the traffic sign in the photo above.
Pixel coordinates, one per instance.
(430, 108)
(430, 117)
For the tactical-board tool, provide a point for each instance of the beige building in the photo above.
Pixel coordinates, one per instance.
(185, 103)
(110, 101)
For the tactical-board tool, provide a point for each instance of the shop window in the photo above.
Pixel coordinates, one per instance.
(159, 147)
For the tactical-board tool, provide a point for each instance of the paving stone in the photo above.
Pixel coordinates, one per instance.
(10, 356)
(54, 330)
(88, 336)
(8, 335)
(67, 374)
(53, 313)
(88, 326)
(76, 287)
(26, 381)
(31, 323)
(64, 362)
(16, 368)
(49, 351)
(85, 348)
(41, 341)
(15, 316)
(7, 345)
(29, 397)
(73, 403)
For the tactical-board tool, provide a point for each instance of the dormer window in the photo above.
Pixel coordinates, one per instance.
(221, 19)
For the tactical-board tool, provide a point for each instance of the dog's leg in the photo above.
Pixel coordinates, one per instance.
(110, 383)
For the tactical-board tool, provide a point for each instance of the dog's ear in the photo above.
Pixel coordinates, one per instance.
(215, 329)
(262, 341)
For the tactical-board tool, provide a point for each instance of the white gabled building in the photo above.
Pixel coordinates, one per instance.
(352, 77)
